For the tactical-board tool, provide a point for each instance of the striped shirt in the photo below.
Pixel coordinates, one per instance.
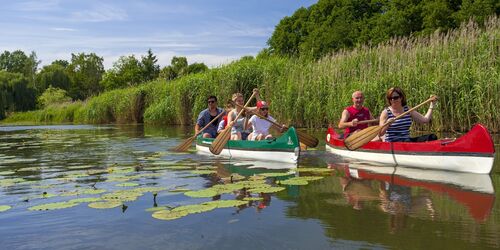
(399, 130)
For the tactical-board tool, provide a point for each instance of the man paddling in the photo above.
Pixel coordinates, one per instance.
(354, 114)
(208, 115)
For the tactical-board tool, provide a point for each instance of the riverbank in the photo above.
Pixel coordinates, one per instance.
(461, 67)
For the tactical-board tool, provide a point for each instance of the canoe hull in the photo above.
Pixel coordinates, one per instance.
(473, 152)
(285, 148)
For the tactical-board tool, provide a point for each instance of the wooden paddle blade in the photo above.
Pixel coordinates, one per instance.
(184, 146)
(220, 141)
(357, 140)
(307, 139)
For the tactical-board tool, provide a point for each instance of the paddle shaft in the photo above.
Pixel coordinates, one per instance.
(368, 121)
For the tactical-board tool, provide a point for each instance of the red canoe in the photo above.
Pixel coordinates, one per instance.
(473, 152)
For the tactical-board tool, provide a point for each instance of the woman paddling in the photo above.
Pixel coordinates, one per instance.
(399, 130)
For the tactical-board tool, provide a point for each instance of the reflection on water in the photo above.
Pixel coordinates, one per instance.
(345, 205)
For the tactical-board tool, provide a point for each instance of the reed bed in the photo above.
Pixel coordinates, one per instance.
(460, 66)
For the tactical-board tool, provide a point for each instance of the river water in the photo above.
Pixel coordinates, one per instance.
(350, 206)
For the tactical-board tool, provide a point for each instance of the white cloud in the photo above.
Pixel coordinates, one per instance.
(100, 13)
(62, 29)
(46, 5)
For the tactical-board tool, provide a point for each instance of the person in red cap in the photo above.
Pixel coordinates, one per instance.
(354, 114)
(260, 126)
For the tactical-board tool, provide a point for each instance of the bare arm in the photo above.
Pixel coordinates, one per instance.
(422, 118)
(196, 129)
(382, 121)
(343, 120)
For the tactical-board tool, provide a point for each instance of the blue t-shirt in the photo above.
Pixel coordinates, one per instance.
(204, 118)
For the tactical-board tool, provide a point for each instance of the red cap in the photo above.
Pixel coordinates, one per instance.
(261, 104)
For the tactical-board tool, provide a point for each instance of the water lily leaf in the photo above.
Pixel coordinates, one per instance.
(127, 184)
(105, 204)
(53, 206)
(122, 195)
(149, 189)
(196, 208)
(30, 169)
(4, 208)
(178, 167)
(275, 174)
(253, 198)
(80, 167)
(179, 190)
(226, 203)
(159, 208)
(266, 190)
(309, 178)
(203, 193)
(7, 172)
(83, 191)
(203, 172)
(293, 182)
(84, 200)
(313, 170)
(169, 215)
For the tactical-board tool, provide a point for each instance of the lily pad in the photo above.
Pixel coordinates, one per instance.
(179, 190)
(4, 208)
(169, 215)
(266, 190)
(196, 208)
(203, 172)
(252, 198)
(203, 193)
(159, 208)
(84, 200)
(105, 204)
(226, 203)
(127, 184)
(275, 174)
(53, 206)
(293, 182)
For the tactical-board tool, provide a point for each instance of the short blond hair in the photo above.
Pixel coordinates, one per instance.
(236, 95)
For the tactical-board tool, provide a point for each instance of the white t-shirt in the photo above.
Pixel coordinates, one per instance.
(261, 126)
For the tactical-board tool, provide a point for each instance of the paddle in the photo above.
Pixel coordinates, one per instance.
(364, 136)
(187, 143)
(220, 141)
(305, 138)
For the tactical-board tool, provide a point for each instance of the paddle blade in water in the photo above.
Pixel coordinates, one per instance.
(357, 140)
(307, 139)
(220, 142)
(184, 146)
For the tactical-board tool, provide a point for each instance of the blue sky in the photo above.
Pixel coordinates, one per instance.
(210, 31)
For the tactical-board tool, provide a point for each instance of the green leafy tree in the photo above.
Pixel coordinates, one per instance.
(52, 96)
(127, 71)
(179, 65)
(54, 75)
(15, 93)
(85, 71)
(168, 73)
(197, 68)
(151, 70)
(19, 62)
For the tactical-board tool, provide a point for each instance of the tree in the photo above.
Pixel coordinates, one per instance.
(19, 62)
(168, 73)
(52, 96)
(127, 71)
(179, 65)
(54, 75)
(196, 68)
(15, 93)
(150, 69)
(85, 71)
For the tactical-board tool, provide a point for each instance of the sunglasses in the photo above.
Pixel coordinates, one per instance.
(264, 109)
(394, 98)
(211, 101)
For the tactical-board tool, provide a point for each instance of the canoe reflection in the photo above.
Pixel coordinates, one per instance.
(394, 189)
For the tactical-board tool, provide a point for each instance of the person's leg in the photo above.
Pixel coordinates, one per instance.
(269, 137)
(207, 135)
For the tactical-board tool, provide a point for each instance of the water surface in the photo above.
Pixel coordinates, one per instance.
(353, 206)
